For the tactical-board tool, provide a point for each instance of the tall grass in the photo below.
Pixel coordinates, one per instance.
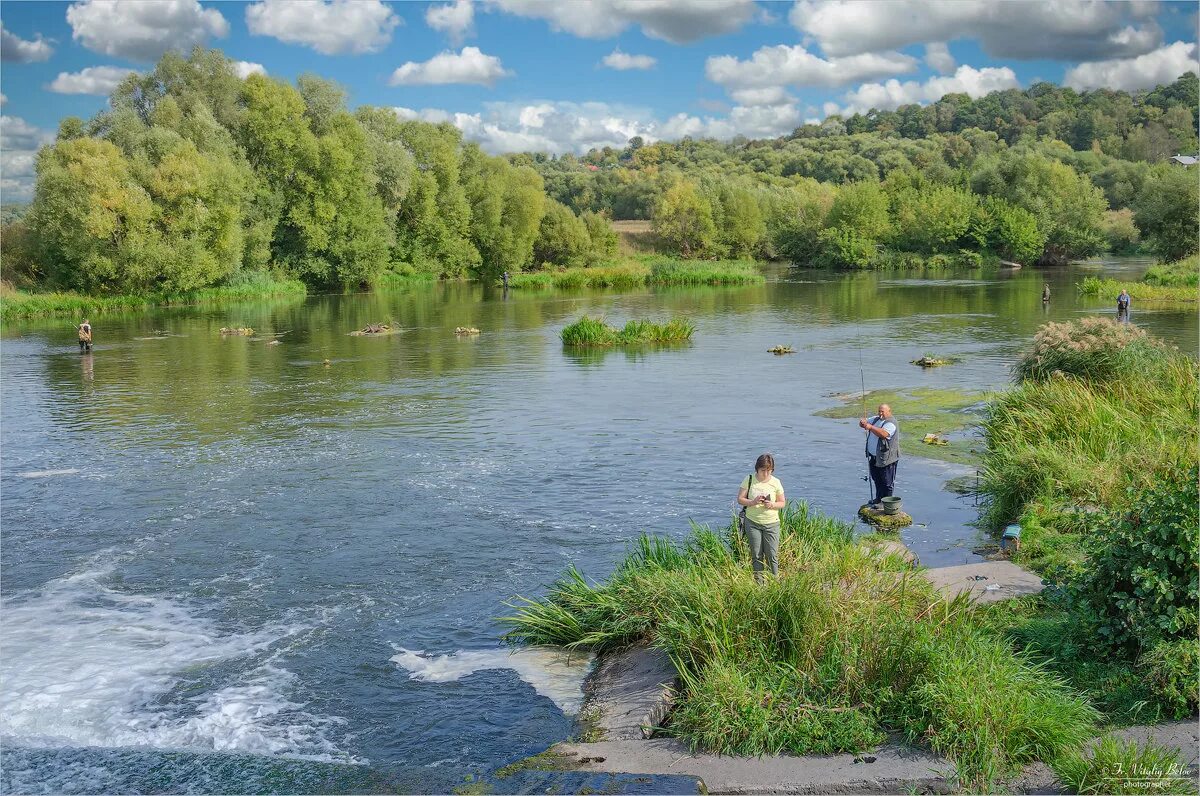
(1122, 767)
(1090, 348)
(594, 332)
(1101, 408)
(1181, 273)
(842, 648)
(19, 304)
(719, 272)
(639, 272)
(1139, 291)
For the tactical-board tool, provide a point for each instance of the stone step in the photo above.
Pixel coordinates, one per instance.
(987, 581)
(629, 694)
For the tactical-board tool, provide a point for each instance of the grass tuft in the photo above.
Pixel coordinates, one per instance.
(594, 332)
(1119, 767)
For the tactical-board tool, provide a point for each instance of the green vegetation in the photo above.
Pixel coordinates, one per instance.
(1045, 174)
(1086, 453)
(1124, 767)
(19, 304)
(1172, 282)
(640, 271)
(843, 647)
(592, 332)
(921, 411)
(192, 176)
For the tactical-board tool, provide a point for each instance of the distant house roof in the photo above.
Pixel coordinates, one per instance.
(1185, 160)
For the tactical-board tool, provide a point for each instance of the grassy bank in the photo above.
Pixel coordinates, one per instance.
(843, 648)
(593, 332)
(1093, 454)
(15, 304)
(1173, 282)
(643, 271)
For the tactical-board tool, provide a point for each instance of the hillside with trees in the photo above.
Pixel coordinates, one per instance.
(194, 177)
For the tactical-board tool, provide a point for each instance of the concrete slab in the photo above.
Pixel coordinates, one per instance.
(893, 769)
(630, 693)
(988, 581)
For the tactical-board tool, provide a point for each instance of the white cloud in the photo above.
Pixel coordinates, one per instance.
(246, 68)
(938, 56)
(3, 99)
(99, 80)
(624, 61)
(469, 66)
(892, 94)
(559, 127)
(1163, 65)
(140, 30)
(785, 65)
(16, 133)
(456, 20)
(1053, 29)
(677, 21)
(19, 142)
(14, 48)
(331, 27)
(771, 95)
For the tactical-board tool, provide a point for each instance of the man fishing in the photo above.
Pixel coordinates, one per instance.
(883, 451)
(85, 336)
(1123, 306)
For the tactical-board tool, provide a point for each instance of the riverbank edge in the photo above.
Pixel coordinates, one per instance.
(18, 305)
(629, 693)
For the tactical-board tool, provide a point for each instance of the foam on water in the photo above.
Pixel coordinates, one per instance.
(552, 672)
(49, 473)
(88, 666)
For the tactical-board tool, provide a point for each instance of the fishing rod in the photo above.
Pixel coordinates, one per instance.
(862, 398)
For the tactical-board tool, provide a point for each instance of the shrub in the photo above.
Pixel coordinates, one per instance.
(1091, 348)
(1142, 586)
(1120, 231)
(1170, 670)
(846, 248)
(1182, 273)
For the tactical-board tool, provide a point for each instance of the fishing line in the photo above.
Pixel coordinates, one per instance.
(862, 398)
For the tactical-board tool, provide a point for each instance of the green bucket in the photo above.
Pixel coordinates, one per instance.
(891, 505)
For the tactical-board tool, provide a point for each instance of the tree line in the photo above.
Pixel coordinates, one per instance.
(194, 177)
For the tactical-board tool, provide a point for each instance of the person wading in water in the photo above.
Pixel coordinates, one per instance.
(85, 336)
(883, 452)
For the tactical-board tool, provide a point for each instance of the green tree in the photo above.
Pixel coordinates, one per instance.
(1167, 212)
(683, 220)
(562, 238)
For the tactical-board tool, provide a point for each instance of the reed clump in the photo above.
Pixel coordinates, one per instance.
(641, 272)
(252, 285)
(841, 649)
(594, 332)
(1169, 282)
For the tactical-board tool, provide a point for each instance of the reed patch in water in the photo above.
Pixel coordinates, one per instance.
(594, 332)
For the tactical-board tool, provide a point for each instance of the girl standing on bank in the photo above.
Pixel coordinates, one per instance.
(761, 497)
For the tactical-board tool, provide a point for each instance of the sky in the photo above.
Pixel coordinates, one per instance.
(568, 75)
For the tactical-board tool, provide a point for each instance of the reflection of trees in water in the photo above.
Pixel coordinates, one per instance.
(196, 384)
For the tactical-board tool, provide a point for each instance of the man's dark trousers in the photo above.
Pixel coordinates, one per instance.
(884, 478)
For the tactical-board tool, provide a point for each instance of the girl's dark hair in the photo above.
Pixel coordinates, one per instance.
(766, 461)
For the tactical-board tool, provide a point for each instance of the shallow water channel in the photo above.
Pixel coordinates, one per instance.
(228, 567)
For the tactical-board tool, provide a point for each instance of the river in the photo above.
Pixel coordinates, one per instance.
(230, 567)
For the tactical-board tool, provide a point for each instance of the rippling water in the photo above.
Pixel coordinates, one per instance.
(229, 567)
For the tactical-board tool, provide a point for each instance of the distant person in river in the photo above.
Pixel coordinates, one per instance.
(1045, 294)
(761, 497)
(1123, 305)
(504, 279)
(85, 336)
(883, 452)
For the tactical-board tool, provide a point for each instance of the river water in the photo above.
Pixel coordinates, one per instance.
(230, 567)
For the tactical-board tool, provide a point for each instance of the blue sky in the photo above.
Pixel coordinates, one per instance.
(541, 74)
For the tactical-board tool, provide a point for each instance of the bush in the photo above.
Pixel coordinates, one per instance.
(846, 248)
(1091, 348)
(1142, 586)
(1170, 670)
